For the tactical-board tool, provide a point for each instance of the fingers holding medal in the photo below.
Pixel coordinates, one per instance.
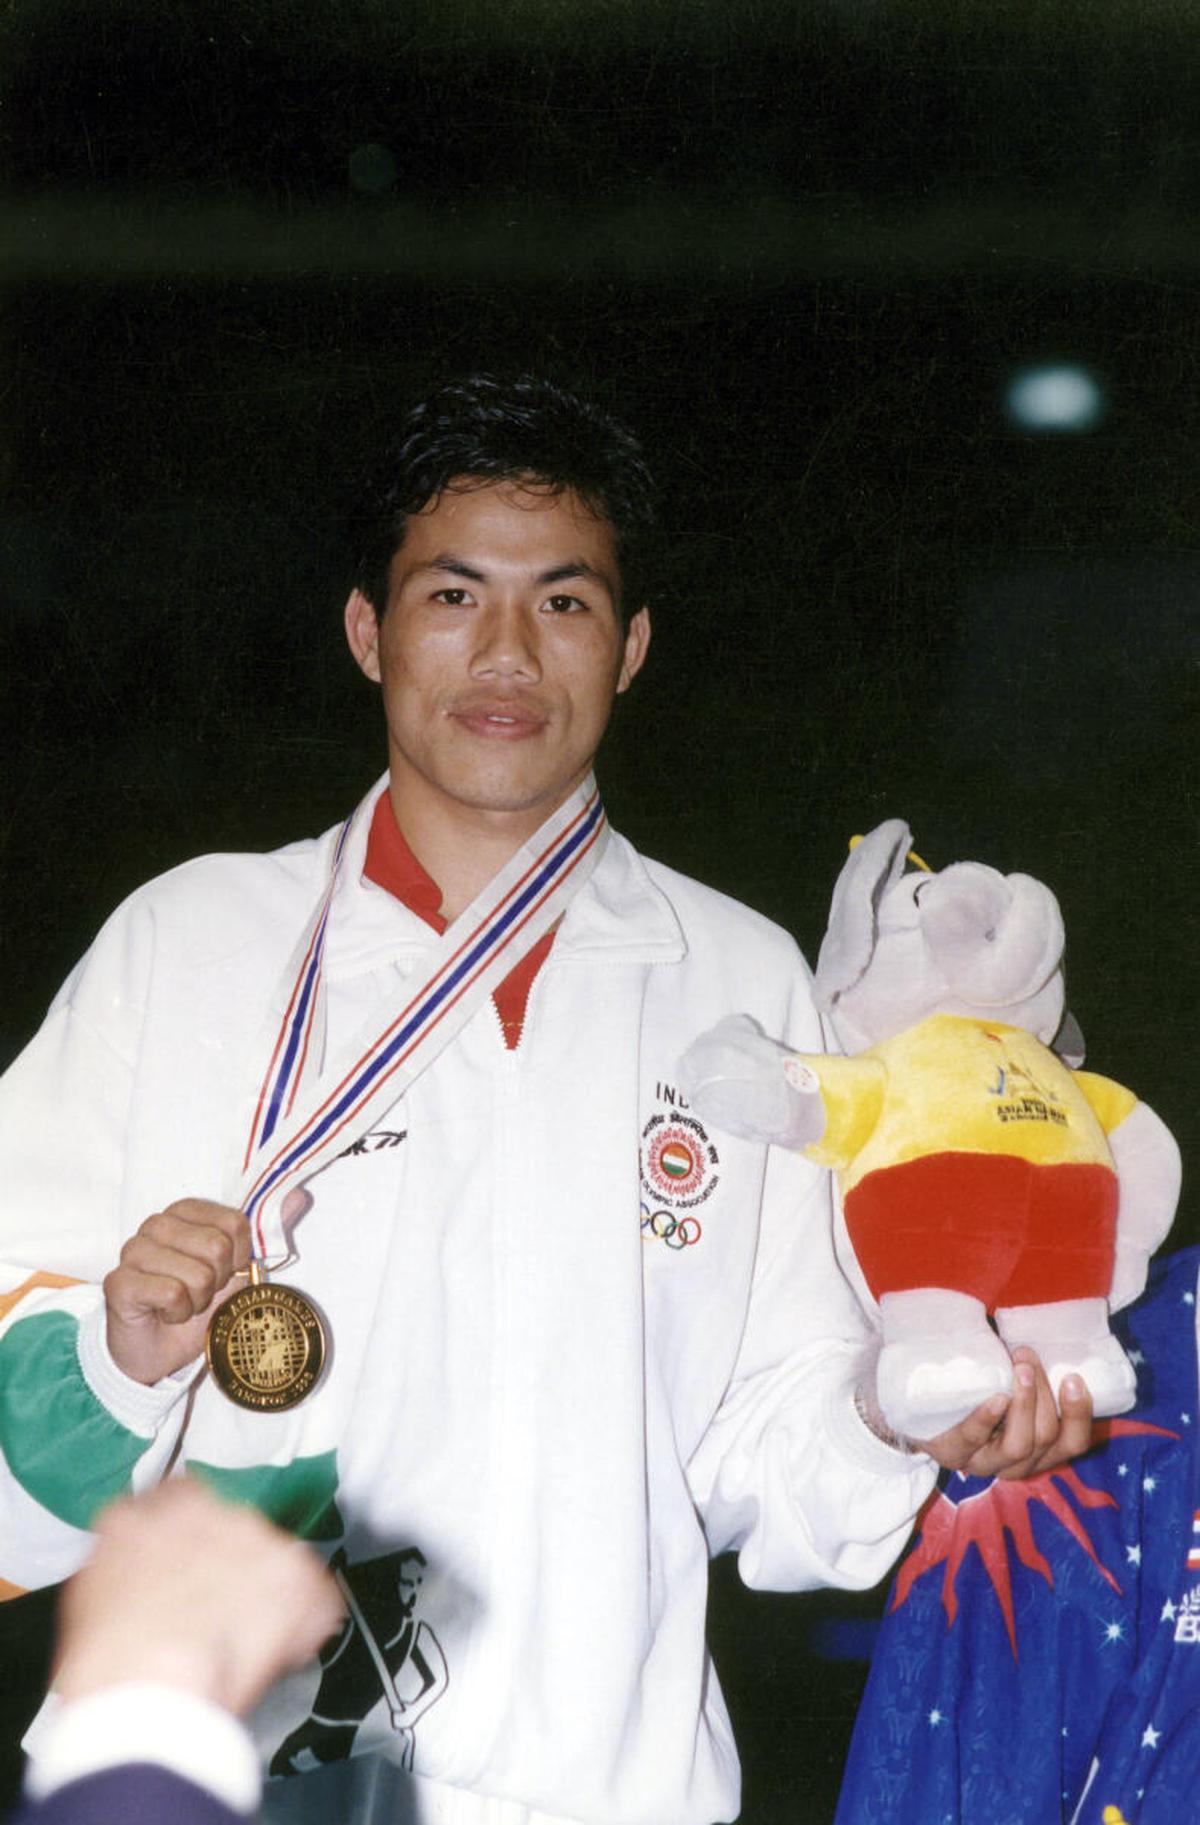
(180, 1291)
(172, 1273)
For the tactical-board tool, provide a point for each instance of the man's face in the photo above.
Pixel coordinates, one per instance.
(500, 651)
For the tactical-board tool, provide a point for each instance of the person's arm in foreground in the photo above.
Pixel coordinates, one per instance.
(185, 1614)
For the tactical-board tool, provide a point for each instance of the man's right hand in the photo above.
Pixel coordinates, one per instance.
(173, 1273)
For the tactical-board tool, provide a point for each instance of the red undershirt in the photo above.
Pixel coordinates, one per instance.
(392, 865)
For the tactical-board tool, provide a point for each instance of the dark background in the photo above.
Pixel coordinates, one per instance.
(804, 247)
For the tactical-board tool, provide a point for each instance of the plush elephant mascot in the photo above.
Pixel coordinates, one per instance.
(980, 1172)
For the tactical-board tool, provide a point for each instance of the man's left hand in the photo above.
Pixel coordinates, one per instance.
(1021, 1434)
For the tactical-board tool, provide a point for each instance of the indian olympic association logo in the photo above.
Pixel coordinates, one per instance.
(679, 1162)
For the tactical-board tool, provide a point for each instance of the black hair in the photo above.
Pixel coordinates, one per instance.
(482, 429)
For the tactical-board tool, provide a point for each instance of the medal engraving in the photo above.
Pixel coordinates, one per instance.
(265, 1346)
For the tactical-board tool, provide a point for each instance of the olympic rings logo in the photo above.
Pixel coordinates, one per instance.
(676, 1232)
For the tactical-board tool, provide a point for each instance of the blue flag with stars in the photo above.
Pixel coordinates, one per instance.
(1039, 1660)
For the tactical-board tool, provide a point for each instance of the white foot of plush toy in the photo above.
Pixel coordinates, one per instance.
(1073, 1338)
(940, 1360)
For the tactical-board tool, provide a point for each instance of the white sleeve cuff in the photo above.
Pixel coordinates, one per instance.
(138, 1408)
(862, 1447)
(141, 1722)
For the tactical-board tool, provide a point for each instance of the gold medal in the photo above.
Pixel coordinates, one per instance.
(265, 1345)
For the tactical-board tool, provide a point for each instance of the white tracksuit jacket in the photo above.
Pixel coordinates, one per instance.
(578, 1343)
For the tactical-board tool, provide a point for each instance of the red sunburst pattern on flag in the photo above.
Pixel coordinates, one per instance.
(1005, 1507)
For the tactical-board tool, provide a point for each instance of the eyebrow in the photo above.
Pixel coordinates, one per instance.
(448, 563)
(563, 573)
(456, 567)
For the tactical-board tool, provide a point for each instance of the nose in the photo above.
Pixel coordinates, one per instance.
(507, 646)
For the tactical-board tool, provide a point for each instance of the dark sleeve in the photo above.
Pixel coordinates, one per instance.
(138, 1792)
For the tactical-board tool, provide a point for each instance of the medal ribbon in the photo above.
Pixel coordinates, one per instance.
(288, 1144)
(296, 1031)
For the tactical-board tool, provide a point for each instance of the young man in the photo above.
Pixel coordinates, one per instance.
(574, 1342)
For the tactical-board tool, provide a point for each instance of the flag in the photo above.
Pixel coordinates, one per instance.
(1039, 1658)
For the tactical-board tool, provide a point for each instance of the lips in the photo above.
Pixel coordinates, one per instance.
(499, 720)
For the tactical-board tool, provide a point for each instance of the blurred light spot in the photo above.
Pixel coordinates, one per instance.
(1055, 398)
(372, 169)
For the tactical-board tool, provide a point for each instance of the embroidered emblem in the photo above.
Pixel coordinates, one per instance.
(664, 1226)
(1022, 1098)
(679, 1162)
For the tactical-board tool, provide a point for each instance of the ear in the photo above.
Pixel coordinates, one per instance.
(362, 633)
(1068, 1042)
(995, 938)
(637, 645)
(876, 863)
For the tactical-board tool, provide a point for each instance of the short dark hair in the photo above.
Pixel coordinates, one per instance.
(527, 428)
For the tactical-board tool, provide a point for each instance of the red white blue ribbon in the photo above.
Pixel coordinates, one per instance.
(293, 1136)
(299, 1025)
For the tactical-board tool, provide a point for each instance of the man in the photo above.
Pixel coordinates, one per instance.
(578, 1343)
(183, 1616)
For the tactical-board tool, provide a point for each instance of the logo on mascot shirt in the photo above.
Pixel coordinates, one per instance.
(1187, 1617)
(678, 1161)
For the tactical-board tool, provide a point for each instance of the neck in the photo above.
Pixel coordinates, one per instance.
(461, 846)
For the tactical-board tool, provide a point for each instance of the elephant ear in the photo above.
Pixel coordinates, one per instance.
(875, 863)
(997, 939)
(1068, 1042)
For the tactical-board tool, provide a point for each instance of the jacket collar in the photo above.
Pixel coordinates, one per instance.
(619, 914)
